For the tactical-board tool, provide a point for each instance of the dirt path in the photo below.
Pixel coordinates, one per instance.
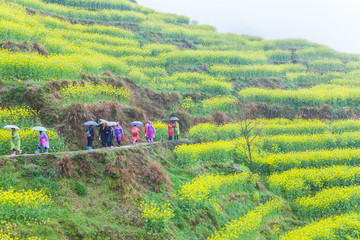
(93, 150)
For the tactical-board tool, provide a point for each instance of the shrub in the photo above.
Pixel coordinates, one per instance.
(80, 189)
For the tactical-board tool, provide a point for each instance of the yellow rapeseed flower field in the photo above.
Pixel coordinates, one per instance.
(301, 182)
(161, 131)
(211, 152)
(202, 191)
(334, 95)
(93, 92)
(319, 158)
(248, 226)
(24, 207)
(338, 227)
(156, 216)
(328, 202)
(210, 131)
(21, 116)
(6, 235)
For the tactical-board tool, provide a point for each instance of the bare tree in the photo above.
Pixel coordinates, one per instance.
(250, 132)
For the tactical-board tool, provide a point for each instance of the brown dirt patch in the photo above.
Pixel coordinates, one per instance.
(136, 173)
(268, 83)
(29, 47)
(324, 112)
(65, 166)
(263, 110)
(220, 118)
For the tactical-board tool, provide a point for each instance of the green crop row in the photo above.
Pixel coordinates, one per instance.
(256, 71)
(213, 132)
(324, 52)
(73, 13)
(211, 105)
(214, 57)
(121, 5)
(212, 152)
(202, 191)
(305, 145)
(248, 226)
(320, 158)
(306, 79)
(334, 95)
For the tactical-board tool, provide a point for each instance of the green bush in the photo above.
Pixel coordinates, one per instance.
(80, 189)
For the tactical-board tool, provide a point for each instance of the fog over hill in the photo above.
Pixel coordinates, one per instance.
(329, 22)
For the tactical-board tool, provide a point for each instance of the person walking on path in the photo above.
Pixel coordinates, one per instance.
(119, 133)
(90, 134)
(104, 133)
(176, 130)
(146, 125)
(110, 138)
(150, 132)
(44, 142)
(170, 131)
(15, 142)
(101, 135)
(135, 135)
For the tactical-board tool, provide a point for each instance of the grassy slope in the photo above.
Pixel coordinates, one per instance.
(115, 181)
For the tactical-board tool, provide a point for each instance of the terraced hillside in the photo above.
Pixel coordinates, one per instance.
(64, 62)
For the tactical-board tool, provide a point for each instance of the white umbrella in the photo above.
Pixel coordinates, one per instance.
(39, 128)
(137, 124)
(111, 124)
(9, 127)
(102, 121)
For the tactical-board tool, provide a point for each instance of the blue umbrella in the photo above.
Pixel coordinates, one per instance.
(39, 128)
(174, 119)
(137, 124)
(90, 123)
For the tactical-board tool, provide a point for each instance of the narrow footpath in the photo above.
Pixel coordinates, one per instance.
(82, 151)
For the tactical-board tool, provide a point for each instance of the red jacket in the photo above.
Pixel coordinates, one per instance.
(135, 133)
(170, 130)
(146, 125)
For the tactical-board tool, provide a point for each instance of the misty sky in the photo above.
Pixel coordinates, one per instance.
(334, 23)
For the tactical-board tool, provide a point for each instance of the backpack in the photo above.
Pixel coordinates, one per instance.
(88, 134)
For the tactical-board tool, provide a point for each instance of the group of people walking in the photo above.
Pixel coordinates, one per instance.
(173, 131)
(107, 135)
(16, 142)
